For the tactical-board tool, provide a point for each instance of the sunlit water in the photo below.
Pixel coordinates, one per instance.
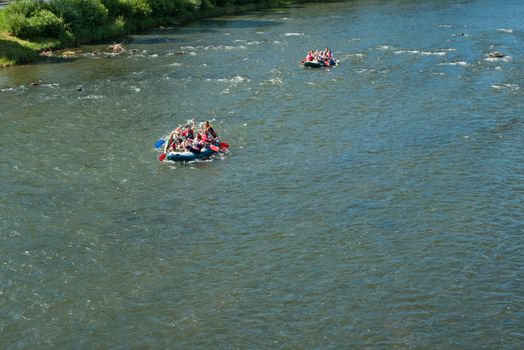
(377, 204)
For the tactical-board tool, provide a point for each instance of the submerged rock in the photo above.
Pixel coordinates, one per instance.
(117, 48)
(47, 53)
(496, 54)
(71, 53)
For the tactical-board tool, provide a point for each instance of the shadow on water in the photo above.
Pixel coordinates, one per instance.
(56, 59)
(185, 29)
(161, 35)
(243, 23)
(152, 41)
(205, 26)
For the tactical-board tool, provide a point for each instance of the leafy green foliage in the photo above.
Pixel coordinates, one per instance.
(44, 23)
(81, 14)
(61, 23)
(170, 8)
(17, 51)
(15, 23)
(131, 9)
(27, 18)
(22, 7)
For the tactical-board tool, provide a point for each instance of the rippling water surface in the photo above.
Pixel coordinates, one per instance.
(377, 204)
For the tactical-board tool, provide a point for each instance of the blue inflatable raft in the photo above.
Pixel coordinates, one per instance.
(190, 156)
(318, 64)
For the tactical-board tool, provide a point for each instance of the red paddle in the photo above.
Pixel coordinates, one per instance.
(223, 145)
(163, 155)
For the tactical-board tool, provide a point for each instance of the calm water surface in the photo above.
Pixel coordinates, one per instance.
(377, 204)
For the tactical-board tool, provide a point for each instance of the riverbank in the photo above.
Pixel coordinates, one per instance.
(16, 51)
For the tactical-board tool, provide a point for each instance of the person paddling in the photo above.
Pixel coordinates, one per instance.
(173, 140)
(209, 132)
(189, 130)
(309, 57)
(197, 145)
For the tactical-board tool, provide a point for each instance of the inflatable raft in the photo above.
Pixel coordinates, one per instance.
(312, 64)
(190, 156)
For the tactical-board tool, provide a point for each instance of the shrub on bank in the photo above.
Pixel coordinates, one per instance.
(80, 15)
(23, 7)
(130, 11)
(28, 18)
(92, 20)
(60, 23)
(46, 23)
(41, 23)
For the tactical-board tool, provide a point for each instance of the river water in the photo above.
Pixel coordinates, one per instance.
(377, 204)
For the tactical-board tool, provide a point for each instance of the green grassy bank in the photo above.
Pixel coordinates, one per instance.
(30, 27)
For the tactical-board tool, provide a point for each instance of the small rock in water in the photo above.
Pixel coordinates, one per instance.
(496, 54)
(117, 48)
(47, 53)
(70, 53)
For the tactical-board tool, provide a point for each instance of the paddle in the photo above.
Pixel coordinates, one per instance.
(161, 141)
(163, 155)
(223, 145)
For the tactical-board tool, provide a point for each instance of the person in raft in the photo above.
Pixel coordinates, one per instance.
(197, 145)
(328, 57)
(209, 134)
(317, 56)
(327, 53)
(310, 57)
(185, 140)
(173, 141)
(189, 130)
